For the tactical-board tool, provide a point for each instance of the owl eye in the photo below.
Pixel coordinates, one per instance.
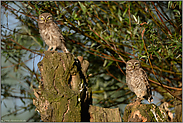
(41, 18)
(49, 17)
(129, 65)
(136, 64)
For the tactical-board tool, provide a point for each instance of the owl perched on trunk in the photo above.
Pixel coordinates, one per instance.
(137, 80)
(51, 33)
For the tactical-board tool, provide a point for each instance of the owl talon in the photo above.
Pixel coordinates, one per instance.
(137, 81)
(51, 33)
(49, 49)
(138, 99)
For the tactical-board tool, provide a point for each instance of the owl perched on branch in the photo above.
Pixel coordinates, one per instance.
(51, 33)
(137, 80)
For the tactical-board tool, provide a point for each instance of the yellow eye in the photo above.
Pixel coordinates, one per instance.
(129, 65)
(136, 64)
(49, 18)
(41, 18)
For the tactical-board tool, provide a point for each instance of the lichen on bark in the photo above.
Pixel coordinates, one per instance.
(58, 98)
(137, 112)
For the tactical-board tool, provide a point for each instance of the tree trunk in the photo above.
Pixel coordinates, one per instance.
(99, 114)
(178, 111)
(62, 95)
(137, 112)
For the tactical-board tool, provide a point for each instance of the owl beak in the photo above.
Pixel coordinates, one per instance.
(45, 20)
(133, 67)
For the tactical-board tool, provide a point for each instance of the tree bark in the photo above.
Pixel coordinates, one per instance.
(137, 112)
(99, 114)
(62, 95)
(178, 111)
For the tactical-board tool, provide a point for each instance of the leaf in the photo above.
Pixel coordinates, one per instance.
(158, 56)
(169, 4)
(145, 57)
(120, 18)
(142, 45)
(105, 62)
(138, 20)
(36, 7)
(135, 18)
(124, 13)
(177, 11)
(129, 32)
(93, 44)
(135, 31)
(177, 47)
(180, 4)
(83, 7)
(74, 14)
(79, 23)
(19, 39)
(109, 64)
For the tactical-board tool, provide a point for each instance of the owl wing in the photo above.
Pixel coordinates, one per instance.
(62, 46)
(148, 86)
(59, 32)
(128, 81)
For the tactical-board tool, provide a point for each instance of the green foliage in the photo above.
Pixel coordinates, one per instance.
(103, 33)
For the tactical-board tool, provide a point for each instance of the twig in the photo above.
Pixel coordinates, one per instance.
(142, 34)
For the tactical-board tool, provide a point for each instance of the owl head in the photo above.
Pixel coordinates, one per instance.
(45, 18)
(133, 64)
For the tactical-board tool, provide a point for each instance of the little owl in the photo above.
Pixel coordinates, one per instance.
(51, 33)
(137, 80)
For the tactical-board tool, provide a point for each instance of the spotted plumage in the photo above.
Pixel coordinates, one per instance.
(51, 33)
(137, 80)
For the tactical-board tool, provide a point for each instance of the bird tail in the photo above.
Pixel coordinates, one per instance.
(64, 49)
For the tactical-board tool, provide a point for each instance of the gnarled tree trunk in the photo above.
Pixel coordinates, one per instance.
(63, 95)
